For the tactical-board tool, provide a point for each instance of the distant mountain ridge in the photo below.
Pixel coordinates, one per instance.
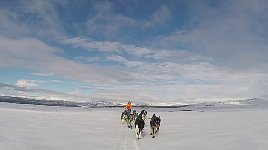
(22, 100)
(92, 104)
(255, 102)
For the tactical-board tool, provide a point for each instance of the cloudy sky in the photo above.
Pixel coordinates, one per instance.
(134, 49)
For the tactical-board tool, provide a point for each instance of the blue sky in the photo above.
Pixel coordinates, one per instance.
(134, 50)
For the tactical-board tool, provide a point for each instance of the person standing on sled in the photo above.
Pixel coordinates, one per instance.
(128, 108)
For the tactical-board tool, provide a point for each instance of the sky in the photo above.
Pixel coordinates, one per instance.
(175, 50)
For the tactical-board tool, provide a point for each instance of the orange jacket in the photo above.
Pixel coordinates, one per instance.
(128, 106)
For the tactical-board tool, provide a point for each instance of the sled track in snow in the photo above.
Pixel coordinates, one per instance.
(127, 139)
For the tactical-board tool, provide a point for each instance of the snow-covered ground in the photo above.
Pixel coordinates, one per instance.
(29, 127)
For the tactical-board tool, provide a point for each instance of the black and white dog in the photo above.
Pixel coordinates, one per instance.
(124, 117)
(143, 114)
(139, 125)
(154, 125)
(135, 115)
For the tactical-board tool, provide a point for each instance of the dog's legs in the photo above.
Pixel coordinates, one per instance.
(137, 131)
(157, 130)
(131, 123)
(128, 123)
(153, 132)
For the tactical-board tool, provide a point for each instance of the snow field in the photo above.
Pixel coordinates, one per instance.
(101, 129)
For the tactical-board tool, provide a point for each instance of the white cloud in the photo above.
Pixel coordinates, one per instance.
(144, 79)
(134, 51)
(89, 44)
(41, 74)
(172, 63)
(35, 56)
(107, 46)
(28, 83)
(122, 60)
(233, 34)
(180, 65)
(168, 80)
(181, 56)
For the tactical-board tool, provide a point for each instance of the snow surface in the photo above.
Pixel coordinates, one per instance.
(29, 127)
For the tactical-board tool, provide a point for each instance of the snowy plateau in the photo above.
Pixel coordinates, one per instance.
(228, 125)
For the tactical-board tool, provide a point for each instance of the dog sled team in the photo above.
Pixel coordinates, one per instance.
(132, 118)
